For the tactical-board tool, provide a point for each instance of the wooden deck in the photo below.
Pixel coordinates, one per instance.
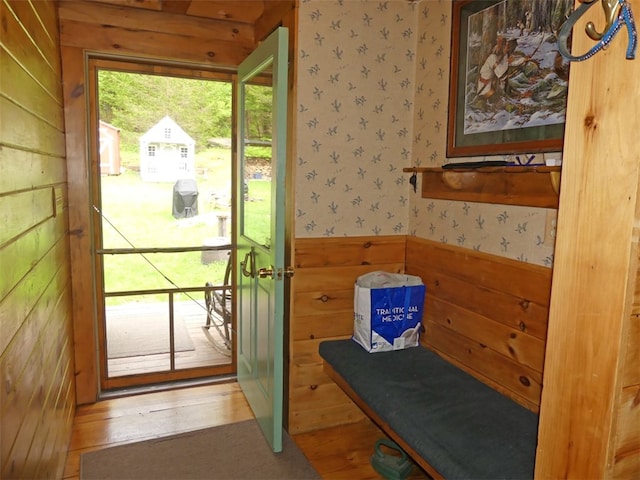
(209, 349)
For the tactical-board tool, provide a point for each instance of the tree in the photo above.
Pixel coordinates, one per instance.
(258, 109)
(135, 102)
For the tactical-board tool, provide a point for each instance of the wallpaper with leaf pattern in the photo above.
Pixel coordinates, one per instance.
(372, 93)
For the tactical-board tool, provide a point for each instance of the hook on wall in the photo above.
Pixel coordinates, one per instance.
(413, 180)
(611, 11)
(617, 14)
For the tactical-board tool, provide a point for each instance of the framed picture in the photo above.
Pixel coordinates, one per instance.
(508, 88)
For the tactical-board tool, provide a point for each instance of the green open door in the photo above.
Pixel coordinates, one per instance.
(260, 233)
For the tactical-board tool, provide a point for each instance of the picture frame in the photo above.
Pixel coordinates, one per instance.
(508, 84)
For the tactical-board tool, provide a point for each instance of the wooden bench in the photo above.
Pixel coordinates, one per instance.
(451, 424)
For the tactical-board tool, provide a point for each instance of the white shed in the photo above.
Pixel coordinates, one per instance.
(167, 153)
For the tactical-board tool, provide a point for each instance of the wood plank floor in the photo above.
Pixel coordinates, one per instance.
(336, 453)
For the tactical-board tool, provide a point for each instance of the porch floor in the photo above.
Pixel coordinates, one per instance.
(209, 349)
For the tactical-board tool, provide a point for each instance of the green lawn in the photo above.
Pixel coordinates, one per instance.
(139, 214)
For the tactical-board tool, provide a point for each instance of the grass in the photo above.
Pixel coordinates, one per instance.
(140, 215)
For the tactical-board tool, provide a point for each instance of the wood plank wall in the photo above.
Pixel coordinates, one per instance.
(590, 409)
(322, 296)
(486, 314)
(626, 458)
(37, 399)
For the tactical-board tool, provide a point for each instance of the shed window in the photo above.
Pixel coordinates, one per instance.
(151, 151)
(184, 152)
(167, 132)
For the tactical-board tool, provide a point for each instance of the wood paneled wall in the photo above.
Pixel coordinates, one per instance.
(486, 314)
(37, 398)
(626, 456)
(483, 313)
(590, 409)
(322, 304)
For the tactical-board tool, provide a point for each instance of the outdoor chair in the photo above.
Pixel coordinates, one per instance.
(219, 305)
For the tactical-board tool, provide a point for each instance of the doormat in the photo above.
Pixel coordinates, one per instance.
(137, 334)
(233, 451)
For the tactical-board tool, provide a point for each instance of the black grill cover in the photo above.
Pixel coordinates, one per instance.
(185, 198)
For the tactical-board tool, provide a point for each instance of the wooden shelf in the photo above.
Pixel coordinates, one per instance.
(536, 186)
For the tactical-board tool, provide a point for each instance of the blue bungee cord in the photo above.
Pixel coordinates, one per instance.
(624, 18)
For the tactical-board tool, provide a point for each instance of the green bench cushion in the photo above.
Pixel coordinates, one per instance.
(458, 425)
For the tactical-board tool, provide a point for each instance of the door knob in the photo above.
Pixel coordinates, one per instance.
(266, 272)
(286, 272)
(271, 272)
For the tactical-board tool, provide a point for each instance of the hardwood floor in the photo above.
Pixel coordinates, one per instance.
(336, 453)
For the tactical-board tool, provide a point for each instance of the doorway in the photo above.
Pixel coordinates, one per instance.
(162, 203)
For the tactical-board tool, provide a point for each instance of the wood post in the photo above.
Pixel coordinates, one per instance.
(595, 262)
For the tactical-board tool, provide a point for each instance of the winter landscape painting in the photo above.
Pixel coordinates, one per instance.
(509, 82)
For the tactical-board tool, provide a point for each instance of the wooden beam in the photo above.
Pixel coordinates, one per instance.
(146, 4)
(79, 226)
(150, 22)
(176, 6)
(161, 46)
(595, 263)
(247, 11)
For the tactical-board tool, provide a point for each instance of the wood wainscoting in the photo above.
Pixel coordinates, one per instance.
(485, 314)
(322, 297)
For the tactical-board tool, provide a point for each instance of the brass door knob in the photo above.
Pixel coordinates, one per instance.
(287, 272)
(266, 272)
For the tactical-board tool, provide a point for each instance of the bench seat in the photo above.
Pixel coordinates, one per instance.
(453, 425)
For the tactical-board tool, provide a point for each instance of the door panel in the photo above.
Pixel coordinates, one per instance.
(260, 233)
